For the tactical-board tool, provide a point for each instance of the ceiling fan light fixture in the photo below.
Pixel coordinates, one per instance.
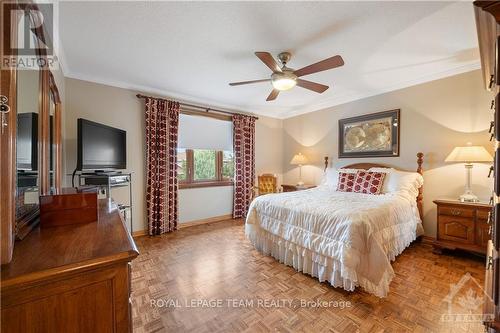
(283, 81)
(285, 78)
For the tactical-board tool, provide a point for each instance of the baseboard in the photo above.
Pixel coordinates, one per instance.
(428, 240)
(214, 219)
(204, 221)
(139, 233)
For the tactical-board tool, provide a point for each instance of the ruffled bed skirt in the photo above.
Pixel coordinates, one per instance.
(322, 267)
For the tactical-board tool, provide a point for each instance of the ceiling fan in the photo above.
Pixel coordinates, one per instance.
(285, 78)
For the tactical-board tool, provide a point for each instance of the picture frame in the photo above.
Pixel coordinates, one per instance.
(371, 135)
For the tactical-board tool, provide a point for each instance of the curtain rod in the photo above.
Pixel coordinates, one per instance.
(207, 109)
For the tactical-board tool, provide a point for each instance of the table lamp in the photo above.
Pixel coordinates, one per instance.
(299, 160)
(468, 155)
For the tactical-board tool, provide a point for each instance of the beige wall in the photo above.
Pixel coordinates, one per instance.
(117, 108)
(435, 117)
(269, 142)
(120, 108)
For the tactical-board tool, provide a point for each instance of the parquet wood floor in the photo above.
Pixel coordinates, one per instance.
(215, 262)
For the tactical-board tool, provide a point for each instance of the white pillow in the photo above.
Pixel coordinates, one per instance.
(396, 181)
(348, 170)
(331, 177)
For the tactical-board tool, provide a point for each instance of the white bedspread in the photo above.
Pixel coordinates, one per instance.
(347, 239)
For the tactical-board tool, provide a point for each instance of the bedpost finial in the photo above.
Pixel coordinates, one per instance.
(420, 161)
(326, 163)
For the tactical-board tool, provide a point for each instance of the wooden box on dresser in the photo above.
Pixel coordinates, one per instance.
(488, 30)
(72, 278)
(462, 225)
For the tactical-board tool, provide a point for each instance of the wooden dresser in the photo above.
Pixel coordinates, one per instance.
(73, 278)
(462, 225)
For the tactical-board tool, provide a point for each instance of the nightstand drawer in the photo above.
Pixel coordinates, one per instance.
(482, 215)
(462, 225)
(456, 211)
(455, 228)
(482, 233)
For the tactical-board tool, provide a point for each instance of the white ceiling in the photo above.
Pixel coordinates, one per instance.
(192, 50)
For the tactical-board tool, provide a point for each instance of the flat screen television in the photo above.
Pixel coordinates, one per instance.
(100, 147)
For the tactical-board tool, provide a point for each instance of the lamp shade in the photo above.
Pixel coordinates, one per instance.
(469, 154)
(299, 159)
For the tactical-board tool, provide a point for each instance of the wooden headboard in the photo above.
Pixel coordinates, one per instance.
(366, 166)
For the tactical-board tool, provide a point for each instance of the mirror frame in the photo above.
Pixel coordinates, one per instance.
(8, 168)
(9, 228)
(56, 99)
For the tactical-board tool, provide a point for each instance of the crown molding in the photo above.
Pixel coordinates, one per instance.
(350, 97)
(161, 93)
(61, 58)
(329, 103)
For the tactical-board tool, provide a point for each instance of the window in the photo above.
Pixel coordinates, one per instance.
(205, 154)
(181, 164)
(204, 167)
(227, 164)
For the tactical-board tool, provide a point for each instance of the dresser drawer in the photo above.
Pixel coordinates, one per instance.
(456, 228)
(456, 211)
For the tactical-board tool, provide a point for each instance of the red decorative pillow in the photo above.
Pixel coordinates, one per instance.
(369, 182)
(346, 181)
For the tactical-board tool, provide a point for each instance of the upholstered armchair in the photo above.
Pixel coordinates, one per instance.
(266, 183)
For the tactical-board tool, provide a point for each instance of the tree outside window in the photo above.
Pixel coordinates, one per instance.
(181, 165)
(204, 167)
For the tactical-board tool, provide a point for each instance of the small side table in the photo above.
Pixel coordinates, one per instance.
(462, 225)
(293, 188)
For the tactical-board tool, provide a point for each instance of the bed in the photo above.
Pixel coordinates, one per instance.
(347, 239)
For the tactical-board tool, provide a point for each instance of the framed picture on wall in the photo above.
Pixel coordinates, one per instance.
(370, 135)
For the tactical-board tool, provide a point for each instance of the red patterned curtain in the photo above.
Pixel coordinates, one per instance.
(162, 122)
(244, 156)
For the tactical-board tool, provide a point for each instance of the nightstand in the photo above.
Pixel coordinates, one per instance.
(293, 188)
(462, 225)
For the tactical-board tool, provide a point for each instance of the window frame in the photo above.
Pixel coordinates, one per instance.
(219, 180)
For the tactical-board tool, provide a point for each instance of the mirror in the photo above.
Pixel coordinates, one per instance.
(28, 86)
(55, 158)
(52, 144)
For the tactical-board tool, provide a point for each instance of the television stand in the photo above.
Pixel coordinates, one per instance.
(103, 172)
(105, 181)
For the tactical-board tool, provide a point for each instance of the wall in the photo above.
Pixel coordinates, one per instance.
(200, 203)
(435, 117)
(120, 108)
(269, 141)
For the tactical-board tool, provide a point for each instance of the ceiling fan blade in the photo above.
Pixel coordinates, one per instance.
(268, 59)
(319, 88)
(272, 96)
(248, 82)
(323, 65)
